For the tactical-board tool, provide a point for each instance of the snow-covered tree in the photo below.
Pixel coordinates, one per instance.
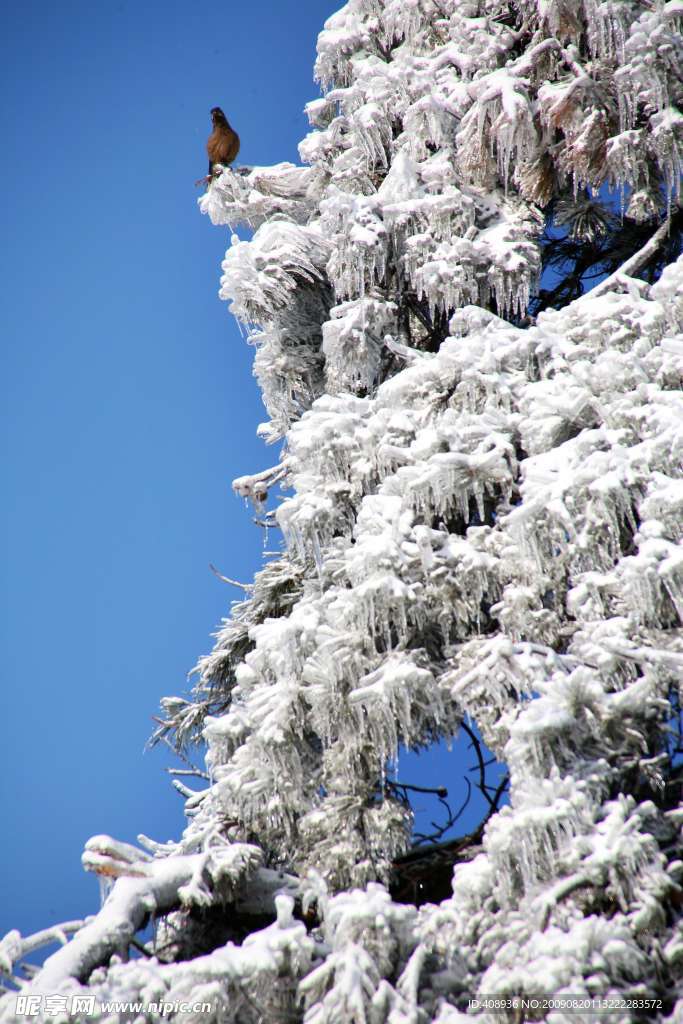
(482, 529)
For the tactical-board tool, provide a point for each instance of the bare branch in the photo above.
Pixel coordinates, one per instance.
(475, 743)
(439, 791)
(192, 769)
(440, 830)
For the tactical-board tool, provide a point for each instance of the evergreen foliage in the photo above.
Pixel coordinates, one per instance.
(484, 527)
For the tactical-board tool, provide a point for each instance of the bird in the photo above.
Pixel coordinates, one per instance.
(223, 143)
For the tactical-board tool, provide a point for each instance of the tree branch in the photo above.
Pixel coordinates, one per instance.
(560, 892)
(636, 262)
(481, 767)
(14, 948)
(248, 587)
(147, 886)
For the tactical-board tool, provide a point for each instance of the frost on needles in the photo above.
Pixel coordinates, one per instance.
(482, 525)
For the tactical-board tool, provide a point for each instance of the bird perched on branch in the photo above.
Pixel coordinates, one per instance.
(223, 143)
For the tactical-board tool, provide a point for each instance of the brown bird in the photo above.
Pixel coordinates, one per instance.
(223, 143)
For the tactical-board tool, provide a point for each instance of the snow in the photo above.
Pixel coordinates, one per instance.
(482, 521)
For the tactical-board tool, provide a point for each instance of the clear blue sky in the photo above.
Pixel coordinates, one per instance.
(128, 401)
(128, 405)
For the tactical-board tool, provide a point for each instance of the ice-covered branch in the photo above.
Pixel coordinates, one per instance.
(147, 887)
(645, 655)
(408, 354)
(257, 485)
(248, 587)
(635, 262)
(130, 903)
(561, 891)
(14, 947)
(251, 195)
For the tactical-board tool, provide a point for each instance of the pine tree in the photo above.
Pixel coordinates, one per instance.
(484, 530)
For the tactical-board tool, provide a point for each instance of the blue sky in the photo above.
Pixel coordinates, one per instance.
(129, 404)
